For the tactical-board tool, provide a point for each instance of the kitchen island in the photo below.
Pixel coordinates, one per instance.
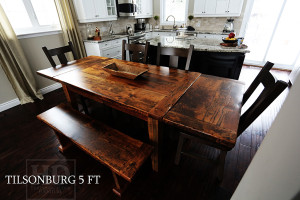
(209, 57)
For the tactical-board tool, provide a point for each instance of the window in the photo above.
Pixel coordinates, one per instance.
(31, 16)
(272, 33)
(177, 8)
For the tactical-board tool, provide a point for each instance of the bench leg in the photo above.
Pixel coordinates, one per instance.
(117, 189)
(64, 142)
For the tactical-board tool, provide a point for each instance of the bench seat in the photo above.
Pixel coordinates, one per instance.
(122, 154)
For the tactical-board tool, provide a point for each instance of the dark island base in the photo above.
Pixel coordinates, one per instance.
(222, 64)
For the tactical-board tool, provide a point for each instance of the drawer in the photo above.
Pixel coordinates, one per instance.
(111, 52)
(117, 42)
(104, 44)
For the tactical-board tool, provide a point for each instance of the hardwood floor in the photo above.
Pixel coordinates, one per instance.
(23, 137)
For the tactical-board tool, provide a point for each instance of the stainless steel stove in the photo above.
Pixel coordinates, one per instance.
(136, 37)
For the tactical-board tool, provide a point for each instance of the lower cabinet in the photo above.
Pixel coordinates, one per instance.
(155, 34)
(110, 49)
(211, 36)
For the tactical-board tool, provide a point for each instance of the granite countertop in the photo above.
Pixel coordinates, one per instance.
(198, 32)
(107, 38)
(200, 44)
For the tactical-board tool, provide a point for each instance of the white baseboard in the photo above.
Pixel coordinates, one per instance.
(14, 102)
(9, 104)
(50, 88)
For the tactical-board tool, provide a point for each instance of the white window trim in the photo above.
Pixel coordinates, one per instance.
(39, 34)
(162, 22)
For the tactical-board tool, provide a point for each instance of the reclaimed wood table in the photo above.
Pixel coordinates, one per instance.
(150, 97)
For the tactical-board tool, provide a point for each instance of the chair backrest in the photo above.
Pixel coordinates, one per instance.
(174, 54)
(60, 53)
(272, 89)
(137, 52)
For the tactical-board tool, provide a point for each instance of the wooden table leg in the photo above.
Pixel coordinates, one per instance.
(221, 163)
(155, 135)
(71, 97)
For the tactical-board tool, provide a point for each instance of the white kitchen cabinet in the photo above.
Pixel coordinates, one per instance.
(95, 10)
(155, 34)
(144, 8)
(204, 7)
(229, 7)
(110, 49)
(211, 36)
(217, 8)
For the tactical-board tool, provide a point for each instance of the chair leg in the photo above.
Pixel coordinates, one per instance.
(179, 148)
(84, 106)
(221, 162)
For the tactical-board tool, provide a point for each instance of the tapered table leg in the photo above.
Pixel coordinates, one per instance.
(71, 97)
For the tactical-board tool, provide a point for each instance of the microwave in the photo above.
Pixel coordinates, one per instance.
(127, 8)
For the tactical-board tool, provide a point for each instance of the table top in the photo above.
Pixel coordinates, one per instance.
(152, 94)
(210, 109)
(197, 103)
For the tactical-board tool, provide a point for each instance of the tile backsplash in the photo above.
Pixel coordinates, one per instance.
(207, 24)
(119, 26)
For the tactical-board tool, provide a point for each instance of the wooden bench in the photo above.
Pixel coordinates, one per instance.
(121, 153)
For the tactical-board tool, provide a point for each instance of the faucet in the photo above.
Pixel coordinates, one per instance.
(174, 26)
(111, 32)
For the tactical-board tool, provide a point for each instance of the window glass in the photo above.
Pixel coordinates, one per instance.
(16, 13)
(45, 12)
(31, 16)
(177, 8)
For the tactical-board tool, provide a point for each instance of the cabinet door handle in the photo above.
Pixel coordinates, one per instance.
(96, 15)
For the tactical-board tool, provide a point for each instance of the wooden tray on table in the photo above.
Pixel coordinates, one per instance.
(123, 70)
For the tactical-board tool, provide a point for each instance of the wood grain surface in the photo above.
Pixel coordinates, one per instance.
(121, 153)
(211, 109)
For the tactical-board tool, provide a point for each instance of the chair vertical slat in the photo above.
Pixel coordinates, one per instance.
(62, 58)
(49, 56)
(123, 50)
(137, 52)
(174, 54)
(257, 81)
(73, 50)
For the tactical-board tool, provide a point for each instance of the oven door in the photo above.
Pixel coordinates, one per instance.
(127, 8)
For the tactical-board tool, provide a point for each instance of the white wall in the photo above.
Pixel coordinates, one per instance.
(274, 173)
(6, 91)
(32, 48)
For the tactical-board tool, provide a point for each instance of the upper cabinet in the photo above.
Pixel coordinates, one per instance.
(218, 8)
(144, 8)
(95, 10)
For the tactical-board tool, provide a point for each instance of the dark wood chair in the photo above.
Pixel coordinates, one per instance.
(60, 53)
(174, 54)
(272, 89)
(137, 52)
